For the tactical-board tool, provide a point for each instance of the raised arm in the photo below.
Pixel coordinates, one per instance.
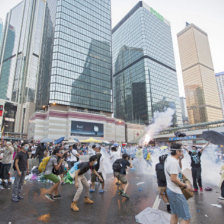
(185, 147)
(203, 148)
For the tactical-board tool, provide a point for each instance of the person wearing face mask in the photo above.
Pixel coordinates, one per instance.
(21, 167)
(195, 155)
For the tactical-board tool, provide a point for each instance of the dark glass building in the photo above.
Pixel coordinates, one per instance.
(144, 72)
(76, 58)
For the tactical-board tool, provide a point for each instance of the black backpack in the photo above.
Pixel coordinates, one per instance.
(117, 165)
(161, 177)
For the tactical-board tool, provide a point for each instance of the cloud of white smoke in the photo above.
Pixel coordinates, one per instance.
(162, 120)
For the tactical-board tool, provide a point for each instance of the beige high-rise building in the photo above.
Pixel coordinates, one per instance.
(202, 98)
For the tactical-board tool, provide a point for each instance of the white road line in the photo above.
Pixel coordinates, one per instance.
(156, 202)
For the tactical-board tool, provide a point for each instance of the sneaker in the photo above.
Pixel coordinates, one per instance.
(125, 195)
(57, 196)
(201, 189)
(168, 208)
(15, 200)
(221, 198)
(20, 197)
(101, 191)
(49, 197)
(5, 185)
(91, 190)
(120, 192)
(118, 183)
(195, 190)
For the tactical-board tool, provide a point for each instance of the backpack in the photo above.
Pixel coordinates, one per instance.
(161, 177)
(43, 164)
(117, 165)
(160, 173)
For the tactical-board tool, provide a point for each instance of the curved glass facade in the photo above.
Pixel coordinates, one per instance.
(144, 73)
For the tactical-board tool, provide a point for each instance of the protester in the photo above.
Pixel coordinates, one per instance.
(40, 151)
(114, 153)
(98, 168)
(81, 180)
(21, 167)
(178, 203)
(6, 164)
(73, 156)
(161, 180)
(195, 155)
(53, 163)
(222, 183)
(119, 168)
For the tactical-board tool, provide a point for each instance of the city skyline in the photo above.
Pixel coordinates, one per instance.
(177, 12)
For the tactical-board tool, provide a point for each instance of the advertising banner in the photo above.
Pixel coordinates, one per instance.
(81, 128)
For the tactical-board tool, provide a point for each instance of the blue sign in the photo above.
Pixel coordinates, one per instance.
(183, 138)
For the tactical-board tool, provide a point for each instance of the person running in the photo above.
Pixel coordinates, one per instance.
(53, 193)
(178, 203)
(81, 180)
(195, 155)
(98, 168)
(119, 168)
(21, 167)
(161, 180)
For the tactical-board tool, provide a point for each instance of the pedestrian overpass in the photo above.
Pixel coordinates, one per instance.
(193, 132)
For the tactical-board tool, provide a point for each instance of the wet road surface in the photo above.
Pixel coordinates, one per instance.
(108, 208)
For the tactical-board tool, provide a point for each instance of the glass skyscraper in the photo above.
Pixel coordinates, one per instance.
(144, 72)
(20, 53)
(76, 61)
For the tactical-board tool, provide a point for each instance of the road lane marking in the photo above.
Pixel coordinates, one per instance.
(156, 202)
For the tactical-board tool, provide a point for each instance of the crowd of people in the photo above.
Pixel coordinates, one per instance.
(60, 162)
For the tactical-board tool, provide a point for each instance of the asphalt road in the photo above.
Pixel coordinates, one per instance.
(108, 208)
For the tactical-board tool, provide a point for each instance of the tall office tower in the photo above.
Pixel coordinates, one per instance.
(203, 103)
(184, 110)
(144, 72)
(220, 82)
(76, 59)
(20, 59)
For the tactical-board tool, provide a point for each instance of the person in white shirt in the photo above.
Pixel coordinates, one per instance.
(73, 157)
(178, 203)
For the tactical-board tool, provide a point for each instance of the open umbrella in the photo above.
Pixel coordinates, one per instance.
(163, 147)
(59, 140)
(214, 137)
(46, 140)
(91, 140)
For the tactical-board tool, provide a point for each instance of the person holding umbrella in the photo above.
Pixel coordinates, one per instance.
(195, 155)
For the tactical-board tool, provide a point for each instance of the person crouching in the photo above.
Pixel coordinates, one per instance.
(81, 180)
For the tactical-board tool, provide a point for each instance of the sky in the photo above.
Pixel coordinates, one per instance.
(206, 14)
